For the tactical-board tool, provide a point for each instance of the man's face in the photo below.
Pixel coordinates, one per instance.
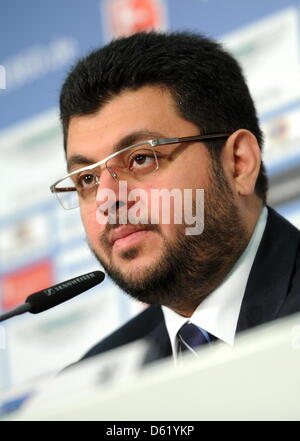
(146, 263)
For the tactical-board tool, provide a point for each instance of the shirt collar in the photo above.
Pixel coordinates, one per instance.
(218, 313)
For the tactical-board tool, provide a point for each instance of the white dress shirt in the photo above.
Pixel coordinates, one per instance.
(218, 313)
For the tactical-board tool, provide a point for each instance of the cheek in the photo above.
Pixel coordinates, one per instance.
(193, 178)
(194, 170)
(163, 212)
(186, 175)
(92, 226)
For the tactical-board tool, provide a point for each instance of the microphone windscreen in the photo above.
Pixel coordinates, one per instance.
(49, 297)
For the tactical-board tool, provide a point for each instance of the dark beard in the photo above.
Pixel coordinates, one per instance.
(194, 265)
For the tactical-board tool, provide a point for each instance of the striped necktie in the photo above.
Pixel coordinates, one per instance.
(190, 336)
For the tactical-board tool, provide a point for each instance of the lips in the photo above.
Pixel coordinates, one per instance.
(124, 231)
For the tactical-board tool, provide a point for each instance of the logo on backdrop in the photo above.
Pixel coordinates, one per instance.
(126, 17)
(37, 61)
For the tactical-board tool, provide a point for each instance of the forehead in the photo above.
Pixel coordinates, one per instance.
(150, 108)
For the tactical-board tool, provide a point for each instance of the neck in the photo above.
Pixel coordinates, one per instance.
(250, 211)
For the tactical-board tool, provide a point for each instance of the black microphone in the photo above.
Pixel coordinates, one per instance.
(49, 297)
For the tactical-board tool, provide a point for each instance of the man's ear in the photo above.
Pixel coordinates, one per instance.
(241, 158)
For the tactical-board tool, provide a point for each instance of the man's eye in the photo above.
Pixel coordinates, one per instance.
(142, 160)
(86, 181)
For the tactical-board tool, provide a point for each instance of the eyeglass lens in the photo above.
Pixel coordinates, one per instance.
(134, 163)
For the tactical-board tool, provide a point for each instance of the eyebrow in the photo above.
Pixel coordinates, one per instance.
(126, 141)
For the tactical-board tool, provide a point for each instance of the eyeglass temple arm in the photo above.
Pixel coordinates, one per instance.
(61, 190)
(191, 138)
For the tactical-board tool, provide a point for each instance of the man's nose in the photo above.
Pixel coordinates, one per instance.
(112, 194)
(108, 183)
(112, 197)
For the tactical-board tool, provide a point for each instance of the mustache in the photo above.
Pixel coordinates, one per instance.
(143, 224)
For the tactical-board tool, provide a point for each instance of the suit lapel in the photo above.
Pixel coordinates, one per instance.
(271, 272)
(159, 343)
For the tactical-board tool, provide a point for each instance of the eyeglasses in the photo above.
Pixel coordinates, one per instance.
(136, 161)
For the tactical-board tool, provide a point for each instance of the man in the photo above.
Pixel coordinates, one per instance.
(177, 110)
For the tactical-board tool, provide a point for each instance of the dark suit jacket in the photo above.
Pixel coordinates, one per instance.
(272, 292)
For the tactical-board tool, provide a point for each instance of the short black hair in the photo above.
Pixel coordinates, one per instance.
(205, 81)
